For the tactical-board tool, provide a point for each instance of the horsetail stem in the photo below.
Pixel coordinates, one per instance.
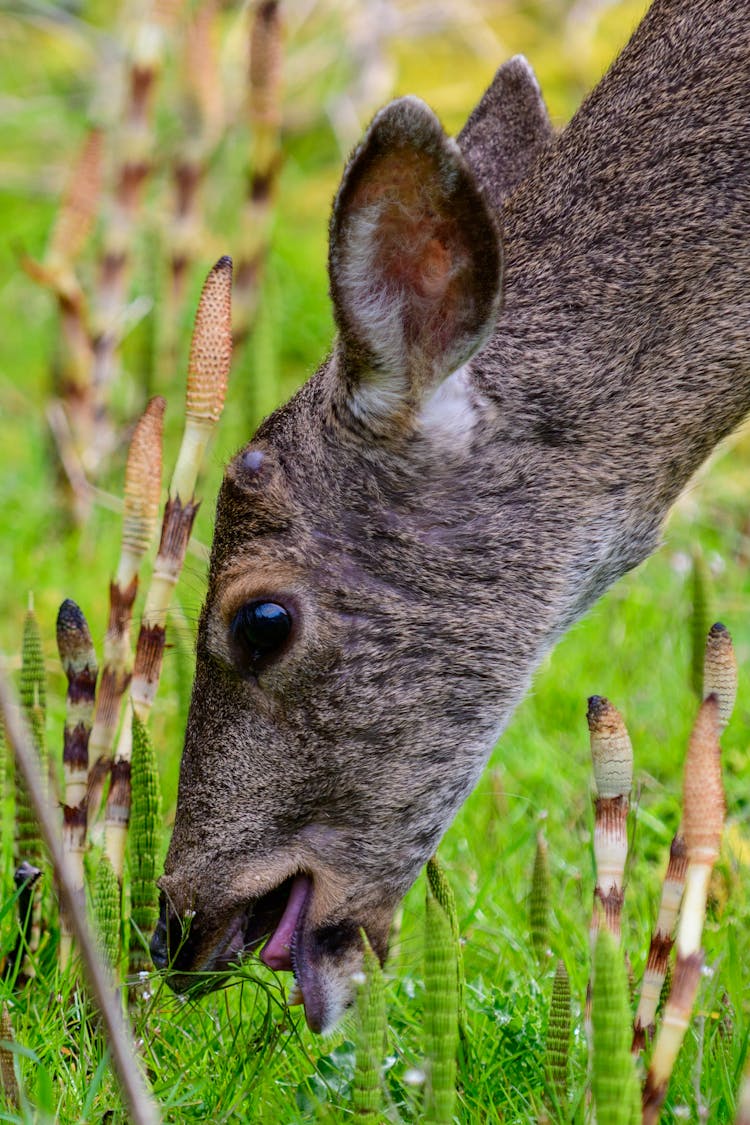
(703, 820)
(441, 1012)
(539, 901)
(557, 1046)
(208, 371)
(700, 617)
(662, 940)
(264, 109)
(370, 1038)
(443, 892)
(145, 821)
(720, 671)
(107, 913)
(613, 1078)
(8, 1080)
(612, 756)
(743, 1101)
(79, 664)
(33, 697)
(140, 513)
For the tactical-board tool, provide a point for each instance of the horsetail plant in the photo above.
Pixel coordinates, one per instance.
(73, 224)
(539, 901)
(557, 1045)
(264, 108)
(443, 892)
(703, 821)
(613, 1078)
(370, 1038)
(662, 941)
(700, 616)
(8, 1080)
(208, 372)
(107, 913)
(145, 825)
(440, 1012)
(612, 756)
(79, 664)
(720, 671)
(33, 696)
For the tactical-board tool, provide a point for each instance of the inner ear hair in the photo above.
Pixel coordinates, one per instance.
(415, 259)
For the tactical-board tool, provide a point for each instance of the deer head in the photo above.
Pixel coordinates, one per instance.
(400, 544)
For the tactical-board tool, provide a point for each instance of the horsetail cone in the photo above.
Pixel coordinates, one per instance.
(145, 824)
(613, 1077)
(720, 671)
(443, 892)
(266, 58)
(370, 1039)
(539, 901)
(612, 758)
(107, 912)
(208, 372)
(703, 822)
(440, 1013)
(142, 489)
(80, 203)
(557, 1046)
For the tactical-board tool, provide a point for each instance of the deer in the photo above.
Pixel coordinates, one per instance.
(540, 338)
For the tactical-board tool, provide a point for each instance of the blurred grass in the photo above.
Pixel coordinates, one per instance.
(238, 1055)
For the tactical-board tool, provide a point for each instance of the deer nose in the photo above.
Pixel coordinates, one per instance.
(159, 944)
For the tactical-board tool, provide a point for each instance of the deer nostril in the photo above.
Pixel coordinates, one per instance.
(159, 950)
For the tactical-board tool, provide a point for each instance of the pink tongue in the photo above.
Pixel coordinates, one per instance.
(276, 952)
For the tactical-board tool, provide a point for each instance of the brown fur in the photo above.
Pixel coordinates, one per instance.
(429, 570)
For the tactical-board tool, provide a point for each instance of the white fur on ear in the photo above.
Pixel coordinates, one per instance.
(452, 410)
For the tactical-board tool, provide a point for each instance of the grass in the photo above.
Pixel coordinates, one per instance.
(239, 1055)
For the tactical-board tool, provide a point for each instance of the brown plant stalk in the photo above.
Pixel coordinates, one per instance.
(208, 372)
(703, 822)
(140, 1106)
(140, 513)
(79, 664)
(612, 757)
(662, 941)
(264, 111)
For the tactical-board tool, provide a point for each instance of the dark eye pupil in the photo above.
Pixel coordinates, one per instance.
(261, 627)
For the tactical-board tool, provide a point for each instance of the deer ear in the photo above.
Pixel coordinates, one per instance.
(415, 262)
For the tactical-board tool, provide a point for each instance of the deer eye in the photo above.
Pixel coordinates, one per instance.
(260, 629)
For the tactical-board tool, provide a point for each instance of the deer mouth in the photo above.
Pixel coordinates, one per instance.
(275, 919)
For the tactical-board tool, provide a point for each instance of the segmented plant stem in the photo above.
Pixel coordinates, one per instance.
(700, 618)
(370, 1039)
(145, 827)
(539, 901)
(264, 108)
(443, 892)
(8, 1081)
(441, 1013)
(107, 901)
(613, 1078)
(703, 820)
(557, 1046)
(662, 940)
(208, 372)
(79, 664)
(612, 757)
